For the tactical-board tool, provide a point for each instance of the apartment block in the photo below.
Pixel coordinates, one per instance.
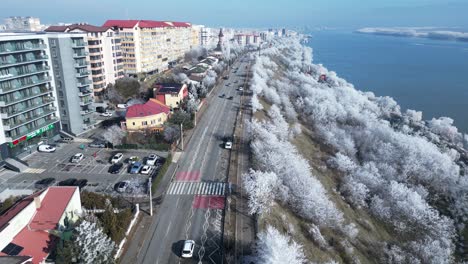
(22, 24)
(149, 46)
(28, 103)
(70, 55)
(106, 58)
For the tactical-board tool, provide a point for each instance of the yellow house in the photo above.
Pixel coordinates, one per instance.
(171, 94)
(150, 115)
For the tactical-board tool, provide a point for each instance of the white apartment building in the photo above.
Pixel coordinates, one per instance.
(22, 24)
(105, 54)
(149, 46)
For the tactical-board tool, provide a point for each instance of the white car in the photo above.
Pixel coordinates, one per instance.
(187, 250)
(228, 144)
(122, 106)
(77, 158)
(106, 114)
(151, 160)
(241, 89)
(122, 186)
(45, 148)
(146, 169)
(117, 158)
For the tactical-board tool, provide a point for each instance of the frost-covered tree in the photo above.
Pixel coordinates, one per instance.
(272, 247)
(210, 79)
(261, 188)
(93, 245)
(114, 135)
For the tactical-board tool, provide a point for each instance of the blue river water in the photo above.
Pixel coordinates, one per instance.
(421, 74)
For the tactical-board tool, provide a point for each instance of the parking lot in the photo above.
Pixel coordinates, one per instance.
(94, 168)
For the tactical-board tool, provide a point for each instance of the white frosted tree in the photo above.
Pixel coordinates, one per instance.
(261, 188)
(93, 245)
(114, 135)
(275, 248)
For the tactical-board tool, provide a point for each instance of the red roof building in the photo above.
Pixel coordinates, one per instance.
(82, 27)
(171, 94)
(25, 227)
(150, 115)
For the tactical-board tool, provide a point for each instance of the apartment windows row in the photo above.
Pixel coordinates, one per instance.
(21, 45)
(22, 70)
(27, 128)
(24, 82)
(25, 94)
(28, 116)
(22, 57)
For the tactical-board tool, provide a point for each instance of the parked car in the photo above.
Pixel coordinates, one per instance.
(81, 183)
(97, 144)
(146, 169)
(122, 106)
(136, 167)
(106, 114)
(67, 182)
(122, 186)
(151, 160)
(66, 139)
(116, 168)
(117, 158)
(187, 250)
(44, 183)
(77, 158)
(133, 159)
(45, 148)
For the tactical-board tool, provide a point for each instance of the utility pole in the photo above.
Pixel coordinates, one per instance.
(150, 196)
(181, 137)
(195, 118)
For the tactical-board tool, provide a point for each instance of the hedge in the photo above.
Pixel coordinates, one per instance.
(161, 173)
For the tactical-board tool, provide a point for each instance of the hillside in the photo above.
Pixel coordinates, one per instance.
(344, 176)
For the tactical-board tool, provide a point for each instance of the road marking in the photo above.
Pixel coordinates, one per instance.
(196, 188)
(34, 170)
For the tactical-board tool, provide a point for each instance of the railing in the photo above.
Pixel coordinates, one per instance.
(48, 122)
(14, 124)
(26, 97)
(18, 86)
(9, 114)
(14, 75)
(23, 48)
(81, 54)
(82, 74)
(27, 60)
(84, 82)
(81, 64)
(78, 44)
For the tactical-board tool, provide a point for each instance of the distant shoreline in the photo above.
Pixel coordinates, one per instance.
(416, 33)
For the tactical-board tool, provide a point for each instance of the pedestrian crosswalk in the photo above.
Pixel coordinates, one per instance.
(82, 140)
(34, 170)
(196, 188)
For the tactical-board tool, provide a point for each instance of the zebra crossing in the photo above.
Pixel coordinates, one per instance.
(197, 188)
(34, 170)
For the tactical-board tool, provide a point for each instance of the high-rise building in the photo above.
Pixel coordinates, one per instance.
(23, 24)
(28, 103)
(70, 55)
(105, 54)
(149, 46)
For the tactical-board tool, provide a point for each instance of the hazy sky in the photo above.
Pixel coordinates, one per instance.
(250, 13)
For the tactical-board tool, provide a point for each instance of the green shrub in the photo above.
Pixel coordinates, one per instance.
(161, 173)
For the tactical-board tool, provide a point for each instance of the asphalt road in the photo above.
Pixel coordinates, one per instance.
(194, 202)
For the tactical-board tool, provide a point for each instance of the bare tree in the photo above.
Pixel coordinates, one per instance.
(114, 135)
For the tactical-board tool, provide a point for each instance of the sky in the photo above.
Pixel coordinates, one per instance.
(250, 13)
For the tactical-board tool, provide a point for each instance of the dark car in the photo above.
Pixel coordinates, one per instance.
(97, 144)
(115, 168)
(230, 97)
(222, 96)
(44, 183)
(67, 182)
(81, 183)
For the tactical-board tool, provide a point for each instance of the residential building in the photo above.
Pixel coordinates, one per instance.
(196, 39)
(148, 46)
(152, 115)
(30, 227)
(28, 100)
(105, 54)
(70, 60)
(23, 24)
(171, 94)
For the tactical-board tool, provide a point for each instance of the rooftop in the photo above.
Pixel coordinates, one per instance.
(82, 27)
(167, 88)
(152, 107)
(15, 209)
(144, 24)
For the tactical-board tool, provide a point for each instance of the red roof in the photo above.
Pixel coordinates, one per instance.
(83, 27)
(36, 244)
(152, 107)
(143, 24)
(15, 209)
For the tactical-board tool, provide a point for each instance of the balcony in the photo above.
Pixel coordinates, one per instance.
(16, 49)
(24, 74)
(9, 114)
(49, 121)
(12, 62)
(84, 82)
(42, 92)
(78, 44)
(84, 93)
(82, 74)
(10, 125)
(86, 102)
(19, 86)
(80, 54)
(81, 64)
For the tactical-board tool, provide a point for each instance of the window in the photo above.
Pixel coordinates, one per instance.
(60, 93)
(144, 123)
(133, 123)
(64, 112)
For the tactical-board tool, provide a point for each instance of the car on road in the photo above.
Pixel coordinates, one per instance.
(122, 186)
(117, 158)
(146, 169)
(67, 182)
(240, 88)
(106, 114)
(44, 183)
(97, 144)
(225, 77)
(230, 97)
(45, 148)
(228, 145)
(77, 158)
(228, 84)
(151, 160)
(66, 139)
(187, 250)
(136, 167)
(222, 96)
(116, 168)
(236, 81)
